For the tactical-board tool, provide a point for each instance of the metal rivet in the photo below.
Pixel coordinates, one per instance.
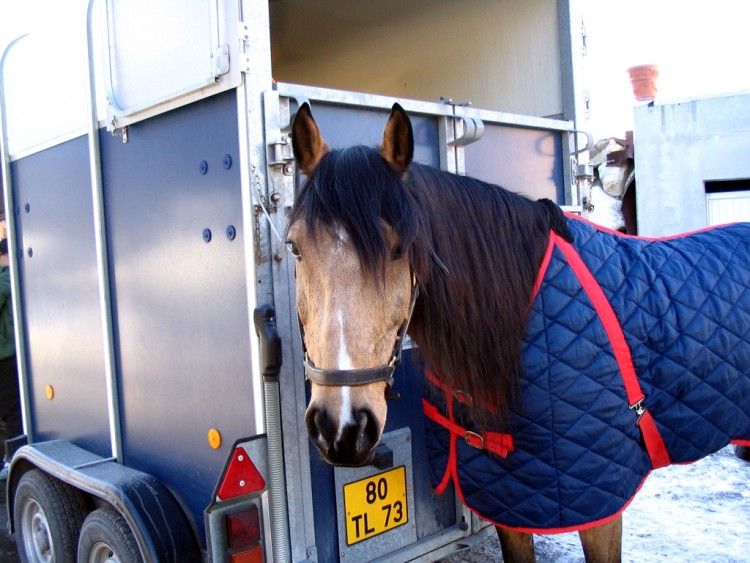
(206, 235)
(30, 252)
(203, 166)
(27, 207)
(242, 483)
(227, 162)
(231, 232)
(240, 457)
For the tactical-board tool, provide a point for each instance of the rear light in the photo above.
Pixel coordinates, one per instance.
(243, 536)
(241, 477)
(252, 555)
(243, 528)
(235, 531)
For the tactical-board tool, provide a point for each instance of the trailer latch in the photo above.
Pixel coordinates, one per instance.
(281, 155)
(264, 317)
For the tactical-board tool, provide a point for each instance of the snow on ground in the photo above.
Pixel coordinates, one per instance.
(683, 513)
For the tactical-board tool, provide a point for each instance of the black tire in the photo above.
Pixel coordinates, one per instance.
(106, 536)
(48, 515)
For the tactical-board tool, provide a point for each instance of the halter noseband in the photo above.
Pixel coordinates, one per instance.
(364, 376)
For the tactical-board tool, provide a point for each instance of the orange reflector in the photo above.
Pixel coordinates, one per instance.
(241, 477)
(243, 528)
(252, 555)
(214, 438)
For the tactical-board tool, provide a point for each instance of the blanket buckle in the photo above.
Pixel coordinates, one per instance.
(474, 440)
(638, 408)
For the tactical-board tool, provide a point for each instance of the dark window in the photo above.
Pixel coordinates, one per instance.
(718, 186)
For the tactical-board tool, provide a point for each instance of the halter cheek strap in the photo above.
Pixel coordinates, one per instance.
(364, 376)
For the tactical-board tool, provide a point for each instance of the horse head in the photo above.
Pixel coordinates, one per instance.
(355, 287)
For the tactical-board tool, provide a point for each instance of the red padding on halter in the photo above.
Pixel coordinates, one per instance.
(657, 451)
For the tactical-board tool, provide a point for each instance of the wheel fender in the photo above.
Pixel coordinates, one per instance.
(159, 524)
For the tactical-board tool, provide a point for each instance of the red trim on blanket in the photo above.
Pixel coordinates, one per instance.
(450, 465)
(657, 451)
(543, 267)
(548, 531)
(745, 443)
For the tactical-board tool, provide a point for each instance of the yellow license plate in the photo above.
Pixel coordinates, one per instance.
(375, 505)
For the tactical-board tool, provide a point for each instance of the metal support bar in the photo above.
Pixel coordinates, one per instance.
(102, 256)
(264, 318)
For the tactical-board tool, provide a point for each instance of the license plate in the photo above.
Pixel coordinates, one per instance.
(375, 505)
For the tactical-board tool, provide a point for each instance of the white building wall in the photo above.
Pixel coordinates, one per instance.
(678, 147)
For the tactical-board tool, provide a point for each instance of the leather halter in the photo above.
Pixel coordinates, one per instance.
(364, 376)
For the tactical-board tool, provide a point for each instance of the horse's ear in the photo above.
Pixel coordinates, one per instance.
(398, 140)
(307, 143)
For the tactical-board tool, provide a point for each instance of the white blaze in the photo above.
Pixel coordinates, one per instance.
(345, 362)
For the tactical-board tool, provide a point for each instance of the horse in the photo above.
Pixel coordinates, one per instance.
(563, 361)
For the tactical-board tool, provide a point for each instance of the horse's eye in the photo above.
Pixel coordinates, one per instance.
(397, 253)
(293, 249)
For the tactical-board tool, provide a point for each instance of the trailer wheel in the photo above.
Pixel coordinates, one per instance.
(106, 538)
(48, 516)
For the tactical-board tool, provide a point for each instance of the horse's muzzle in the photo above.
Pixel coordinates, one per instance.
(348, 444)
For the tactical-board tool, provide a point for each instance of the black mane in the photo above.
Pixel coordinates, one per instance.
(474, 247)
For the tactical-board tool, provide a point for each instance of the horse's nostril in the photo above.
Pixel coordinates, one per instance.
(369, 427)
(357, 440)
(320, 426)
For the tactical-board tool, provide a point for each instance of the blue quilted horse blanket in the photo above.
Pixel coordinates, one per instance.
(637, 355)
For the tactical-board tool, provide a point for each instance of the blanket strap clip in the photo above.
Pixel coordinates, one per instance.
(638, 408)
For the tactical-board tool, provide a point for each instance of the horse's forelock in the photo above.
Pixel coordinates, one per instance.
(355, 189)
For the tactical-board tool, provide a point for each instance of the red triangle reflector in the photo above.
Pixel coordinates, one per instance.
(241, 477)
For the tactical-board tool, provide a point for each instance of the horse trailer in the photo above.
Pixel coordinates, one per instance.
(148, 172)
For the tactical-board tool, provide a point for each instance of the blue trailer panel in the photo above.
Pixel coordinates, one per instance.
(58, 282)
(178, 296)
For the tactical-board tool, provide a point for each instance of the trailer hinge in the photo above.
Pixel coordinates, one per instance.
(281, 155)
(587, 104)
(123, 130)
(243, 32)
(220, 60)
(584, 39)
